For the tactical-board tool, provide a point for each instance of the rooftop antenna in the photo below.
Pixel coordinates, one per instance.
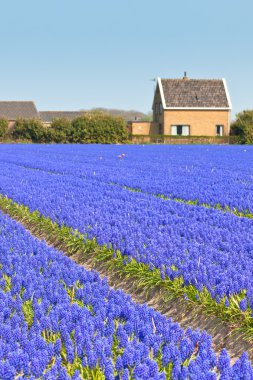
(185, 75)
(153, 80)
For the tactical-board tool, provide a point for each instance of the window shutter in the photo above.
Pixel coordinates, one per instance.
(174, 130)
(185, 130)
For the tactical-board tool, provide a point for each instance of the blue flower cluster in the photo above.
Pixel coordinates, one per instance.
(58, 321)
(206, 247)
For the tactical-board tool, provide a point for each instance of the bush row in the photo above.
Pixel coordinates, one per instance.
(88, 128)
(242, 127)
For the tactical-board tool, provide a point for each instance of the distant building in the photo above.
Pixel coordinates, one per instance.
(12, 111)
(48, 116)
(188, 107)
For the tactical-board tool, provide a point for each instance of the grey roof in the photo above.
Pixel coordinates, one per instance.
(14, 110)
(49, 116)
(195, 93)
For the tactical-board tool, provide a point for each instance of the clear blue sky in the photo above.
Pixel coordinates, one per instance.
(73, 54)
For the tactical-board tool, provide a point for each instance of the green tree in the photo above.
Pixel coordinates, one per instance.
(3, 128)
(147, 117)
(243, 127)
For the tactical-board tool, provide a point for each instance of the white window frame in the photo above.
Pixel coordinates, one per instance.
(221, 130)
(185, 130)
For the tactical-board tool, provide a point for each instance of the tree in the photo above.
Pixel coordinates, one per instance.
(243, 127)
(148, 117)
(3, 128)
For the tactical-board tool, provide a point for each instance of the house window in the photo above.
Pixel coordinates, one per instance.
(160, 108)
(219, 130)
(180, 130)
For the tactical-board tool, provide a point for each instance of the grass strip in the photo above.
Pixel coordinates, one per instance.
(145, 279)
(191, 202)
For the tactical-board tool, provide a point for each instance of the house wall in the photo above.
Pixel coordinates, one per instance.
(144, 128)
(157, 116)
(201, 122)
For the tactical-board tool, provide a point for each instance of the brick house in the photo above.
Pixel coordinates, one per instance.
(188, 107)
(13, 110)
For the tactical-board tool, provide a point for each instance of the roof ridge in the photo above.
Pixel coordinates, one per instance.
(190, 79)
(61, 111)
(17, 101)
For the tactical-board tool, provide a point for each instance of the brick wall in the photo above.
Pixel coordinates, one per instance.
(201, 122)
(144, 128)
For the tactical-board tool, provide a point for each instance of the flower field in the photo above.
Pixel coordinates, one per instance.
(172, 209)
(223, 173)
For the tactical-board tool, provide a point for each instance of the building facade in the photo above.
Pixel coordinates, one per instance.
(188, 107)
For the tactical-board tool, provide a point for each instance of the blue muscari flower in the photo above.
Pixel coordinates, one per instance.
(92, 360)
(109, 370)
(152, 368)
(243, 304)
(70, 353)
(126, 374)
(37, 367)
(141, 371)
(242, 368)
(119, 364)
(76, 375)
(63, 375)
(224, 362)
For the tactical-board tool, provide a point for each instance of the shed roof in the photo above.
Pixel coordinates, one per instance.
(12, 110)
(194, 93)
(49, 116)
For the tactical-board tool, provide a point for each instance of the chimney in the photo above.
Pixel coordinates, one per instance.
(185, 77)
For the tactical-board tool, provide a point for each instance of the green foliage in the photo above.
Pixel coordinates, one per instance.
(243, 127)
(31, 129)
(97, 127)
(147, 117)
(94, 127)
(28, 312)
(3, 128)
(60, 130)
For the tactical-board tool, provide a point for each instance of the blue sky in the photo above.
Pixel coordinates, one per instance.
(82, 54)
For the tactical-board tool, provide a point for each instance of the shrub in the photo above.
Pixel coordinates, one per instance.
(3, 128)
(31, 129)
(243, 127)
(60, 130)
(97, 127)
